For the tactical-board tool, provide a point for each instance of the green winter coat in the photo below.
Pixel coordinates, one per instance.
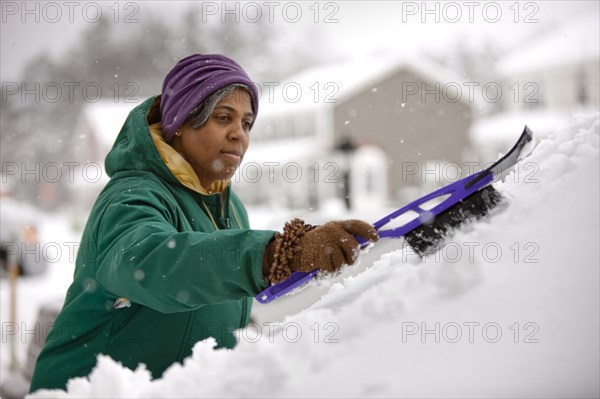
(184, 261)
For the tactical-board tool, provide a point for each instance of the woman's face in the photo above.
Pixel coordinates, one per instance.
(216, 150)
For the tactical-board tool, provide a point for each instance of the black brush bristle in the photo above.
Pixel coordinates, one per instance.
(426, 238)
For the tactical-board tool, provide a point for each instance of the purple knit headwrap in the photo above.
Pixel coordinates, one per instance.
(192, 80)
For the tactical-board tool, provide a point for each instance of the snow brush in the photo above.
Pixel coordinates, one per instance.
(467, 199)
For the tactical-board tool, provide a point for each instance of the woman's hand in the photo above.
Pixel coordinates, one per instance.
(303, 247)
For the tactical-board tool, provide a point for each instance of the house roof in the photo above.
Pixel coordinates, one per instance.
(572, 42)
(104, 120)
(327, 85)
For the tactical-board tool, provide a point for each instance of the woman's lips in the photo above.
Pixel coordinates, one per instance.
(234, 156)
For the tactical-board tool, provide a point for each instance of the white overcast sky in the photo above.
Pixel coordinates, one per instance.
(354, 27)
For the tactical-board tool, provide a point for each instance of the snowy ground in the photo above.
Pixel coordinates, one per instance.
(508, 308)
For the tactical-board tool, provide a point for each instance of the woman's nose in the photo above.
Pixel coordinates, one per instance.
(237, 132)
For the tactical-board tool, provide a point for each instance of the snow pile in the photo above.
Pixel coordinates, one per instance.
(508, 307)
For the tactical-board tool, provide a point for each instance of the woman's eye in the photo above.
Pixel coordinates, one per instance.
(223, 117)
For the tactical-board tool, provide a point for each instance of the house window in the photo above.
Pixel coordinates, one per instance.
(304, 124)
(369, 189)
(581, 87)
(533, 94)
(283, 128)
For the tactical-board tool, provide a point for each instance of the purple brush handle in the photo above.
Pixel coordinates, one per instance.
(457, 190)
(279, 289)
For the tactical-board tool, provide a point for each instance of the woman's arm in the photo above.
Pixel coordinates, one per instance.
(142, 256)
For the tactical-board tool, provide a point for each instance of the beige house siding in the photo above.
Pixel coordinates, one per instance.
(413, 129)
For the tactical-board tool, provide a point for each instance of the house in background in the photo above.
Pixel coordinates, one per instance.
(546, 80)
(367, 131)
(97, 128)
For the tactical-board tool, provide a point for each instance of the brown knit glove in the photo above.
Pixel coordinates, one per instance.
(302, 247)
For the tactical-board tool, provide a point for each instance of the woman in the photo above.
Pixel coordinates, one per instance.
(167, 257)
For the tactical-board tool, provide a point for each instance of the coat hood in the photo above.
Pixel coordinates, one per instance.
(134, 148)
